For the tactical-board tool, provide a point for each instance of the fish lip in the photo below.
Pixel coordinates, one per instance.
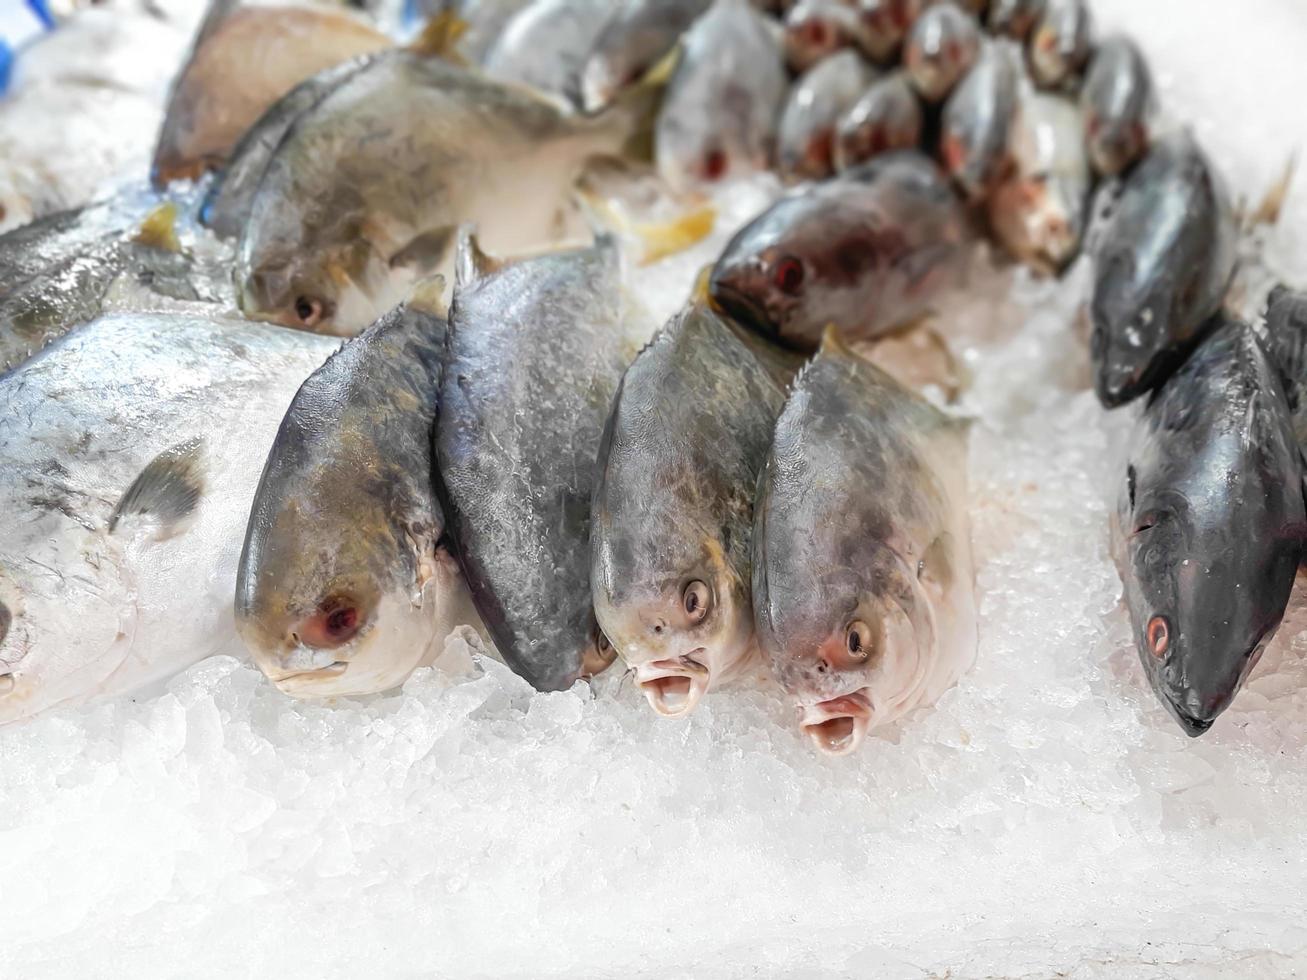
(334, 669)
(742, 308)
(824, 722)
(1189, 724)
(686, 667)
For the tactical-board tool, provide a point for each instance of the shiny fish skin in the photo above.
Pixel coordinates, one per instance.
(978, 121)
(1117, 100)
(239, 69)
(941, 47)
(1161, 269)
(633, 41)
(1061, 43)
(861, 527)
(1208, 529)
(1014, 18)
(719, 116)
(1286, 342)
(817, 102)
(886, 117)
(673, 508)
(95, 613)
(344, 586)
(885, 24)
(868, 251)
(536, 352)
(546, 44)
(816, 29)
(388, 165)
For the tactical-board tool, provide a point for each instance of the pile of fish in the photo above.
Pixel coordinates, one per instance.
(507, 444)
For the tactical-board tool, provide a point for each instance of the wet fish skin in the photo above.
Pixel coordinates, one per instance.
(1209, 524)
(863, 586)
(344, 585)
(536, 351)
(886, 117)
(1161, 269)
(673, 508)
(1014, 18)
(230, 197)
(885, 24)
(720, 112)
(372, 183)
(639, 35)
(941, 47)
(128, 456)
(546, 44)
(1061, 43)
(817, 102)
(978, 121)
(1117, 101)
(816, 29)
(867, 251)
(241, 67)
(1286, 343)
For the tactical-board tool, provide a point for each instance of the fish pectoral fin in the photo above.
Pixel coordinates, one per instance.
(440, 36)
(424, 251)
(168, 490)
(470, 262)
(1272, 204)
(159, 229)
(935, 568)
(428, 296)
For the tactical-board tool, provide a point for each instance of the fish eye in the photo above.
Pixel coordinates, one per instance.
(695, 600)
(788, 274)
(715, 164)
(816, 34)
(857, 639)
(308, 310)
(1159, 636)
(603, 643)
(337, 621)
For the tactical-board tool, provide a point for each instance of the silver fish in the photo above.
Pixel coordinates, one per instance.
(941, 47)
(818, 101)
(633, 42)
(546, 45)
(1060, 44)
(816, 29)
(977, 122)
(1014, 18)
(886, 117)
(1117, 100)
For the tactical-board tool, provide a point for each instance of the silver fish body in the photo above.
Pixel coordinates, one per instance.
(1061, 43)
(1117, 101)
(639, 35)
(546, 45)
(886, 117)
(1014, 18)
(977, 122)
(817, 102)
(942, 46)
(816, 29)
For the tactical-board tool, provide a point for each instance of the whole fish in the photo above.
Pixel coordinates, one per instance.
(1286, 341)
(56, 272)
(868, 251)
(941, 47)
(978, 122)
(238, 68)
(1209, 524)
(817, 102)
(1014, 18)
(546, 44)
(536, 351)
(863, 584)
(673, 508)
(128, 456)
(639, 36)
(1039, 213)
(718, 118)
(886, 117)
(372, 182)
(1117, 101)
(230, 198)
(1161, 269)
(1060, 43)
(816, 29)
(345, 583)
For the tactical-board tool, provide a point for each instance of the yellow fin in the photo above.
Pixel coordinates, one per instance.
(440, 37)
(832, 341)
(661, 71)
(428, 296)
(159, 229)
(658, 239)
(1268, 212)
(702, 293)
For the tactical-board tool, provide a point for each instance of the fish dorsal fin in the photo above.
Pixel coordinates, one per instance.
(439, 38)
(167, 491)
(470, 262)
(832, 342)
(159, 229)
(428, 296)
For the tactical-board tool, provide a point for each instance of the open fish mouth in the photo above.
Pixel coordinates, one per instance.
(838, 726)
(675, 686)
(743, 309)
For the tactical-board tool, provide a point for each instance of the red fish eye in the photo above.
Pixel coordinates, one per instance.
(341, 622)
(714, 164)
(788, 275)
(1159, 636)
(815, 33)
(308, 310)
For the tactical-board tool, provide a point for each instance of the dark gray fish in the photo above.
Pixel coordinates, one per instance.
(868, 251)
(1161, 269)
(863, 583)
(673, 508)
(1117, 101)
(978, 122)
(1014, 18)
(887, 117)
(634, 41)
(345, 585)
(536, 351)
(816, 29)
(818, 101)
(1061, 42)
(546, 44)
(941, 47)
(227, 204)
(1286, 341)
(1209, 524)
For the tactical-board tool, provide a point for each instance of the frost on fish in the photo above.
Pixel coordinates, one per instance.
(536, 351)
(127, 460)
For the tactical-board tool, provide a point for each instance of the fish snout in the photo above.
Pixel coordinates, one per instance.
(674, 686)
(838, 726)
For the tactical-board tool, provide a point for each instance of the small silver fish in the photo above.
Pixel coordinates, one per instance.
(886, 117)
(1117, 101)
(977, 122)
(941, 47)
(818, 101)
(1060, 44)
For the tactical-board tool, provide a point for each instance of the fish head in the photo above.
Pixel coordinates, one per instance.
(853, 647)
(1130, 342)
(1041, 220)
(343, 582)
